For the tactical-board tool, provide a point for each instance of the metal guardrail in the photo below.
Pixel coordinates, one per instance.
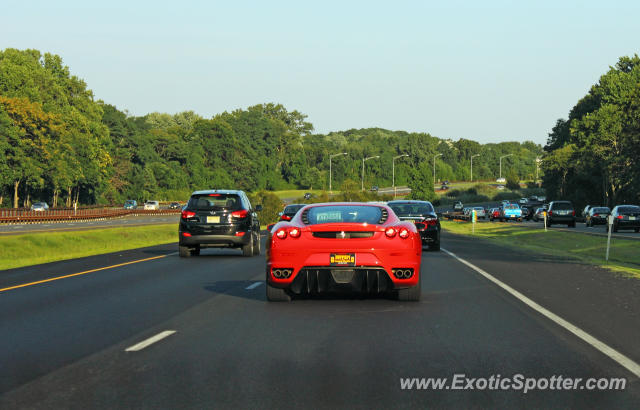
(21, 216)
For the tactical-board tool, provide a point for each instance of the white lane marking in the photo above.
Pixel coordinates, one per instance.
(253, 285)
(150, 341)
(615, 355)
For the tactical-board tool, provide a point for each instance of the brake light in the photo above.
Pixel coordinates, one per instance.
(285, 217)
(294, 232)
(214, 194)
(404, 233)
(550, 213)
(573, 213)
(240, 214)
(186, 234)
(431, 221)
(619, 216)
(239, 233)
(281, 233)
(390, 232)
(188, 214)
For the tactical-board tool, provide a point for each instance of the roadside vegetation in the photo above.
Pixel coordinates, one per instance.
(37, 248)
(591, 249)
(482, 192)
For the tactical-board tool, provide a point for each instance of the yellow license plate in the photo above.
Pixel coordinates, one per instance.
(342, 259)
(213, 219)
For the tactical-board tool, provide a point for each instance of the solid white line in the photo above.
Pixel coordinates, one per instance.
(253, 285)
(150, 341)
(621, 359)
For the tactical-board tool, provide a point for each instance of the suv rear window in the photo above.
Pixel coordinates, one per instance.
(207, 202)
(344, 213)
(629, 209)
(562, 206)
(412, 209)
(291, 210)
(599, 210)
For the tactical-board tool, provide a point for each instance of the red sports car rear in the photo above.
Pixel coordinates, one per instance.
(355, 247)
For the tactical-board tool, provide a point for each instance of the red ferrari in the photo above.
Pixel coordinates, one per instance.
(357, 247)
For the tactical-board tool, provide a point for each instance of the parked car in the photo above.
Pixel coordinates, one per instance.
(539, 214)
(152, 205)
(481, 213)
(175, 205)
(444, 187)
(542, 198)
(130, 204)
(290, 211)
(501, 180)
(328, 246)
(219, 218)
(511, 212)
(626, 217)
(494, 213)
(458, 206)
(597, 215)
(500, 187)
(585, 211)
(523, 201)
(424, 216)
(39, 206)
(561, 212)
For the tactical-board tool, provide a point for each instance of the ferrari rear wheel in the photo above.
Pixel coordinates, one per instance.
(277, 295)
(412, 294)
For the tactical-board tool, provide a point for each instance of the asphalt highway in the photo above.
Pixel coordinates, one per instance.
(18, 229)
(158, 331)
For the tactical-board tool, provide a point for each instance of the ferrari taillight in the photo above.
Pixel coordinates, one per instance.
(188, 214)
(281, 234)
(294, 232)
(390, 232)
(404, 233)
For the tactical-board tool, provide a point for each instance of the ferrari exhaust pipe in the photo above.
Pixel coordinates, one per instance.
(282, 273)
(403, 273)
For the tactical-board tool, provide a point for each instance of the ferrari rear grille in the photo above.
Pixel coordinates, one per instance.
(305, 217)
(370, 280)
(342, 235)
(384, 216)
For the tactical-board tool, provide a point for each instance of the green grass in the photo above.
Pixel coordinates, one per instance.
(37, 248)
(591, 249)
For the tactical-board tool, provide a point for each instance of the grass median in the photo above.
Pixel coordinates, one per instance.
(623, 255)
(33, 249)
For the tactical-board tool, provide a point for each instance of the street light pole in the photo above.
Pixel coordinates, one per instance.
(477, 155)
(363, 160)
(393, 165)
(331, 156)
(537, 168)
(504, 156)
(434, 169)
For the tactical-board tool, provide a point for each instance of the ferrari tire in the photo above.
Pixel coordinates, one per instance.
(247, 249)
(184, 251)
(277, 295)
(411, 294)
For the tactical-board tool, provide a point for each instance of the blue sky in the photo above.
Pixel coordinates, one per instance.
(488, 71)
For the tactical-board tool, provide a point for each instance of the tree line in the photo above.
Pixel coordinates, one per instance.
(62, 145)
(592, 156)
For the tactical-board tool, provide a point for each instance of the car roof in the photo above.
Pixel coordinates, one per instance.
(217, 191)
(408, 201)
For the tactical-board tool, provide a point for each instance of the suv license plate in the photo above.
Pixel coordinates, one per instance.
(213, 219)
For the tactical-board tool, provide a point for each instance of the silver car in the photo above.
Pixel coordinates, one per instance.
(480, 212)
(39, 206)
(152, 205)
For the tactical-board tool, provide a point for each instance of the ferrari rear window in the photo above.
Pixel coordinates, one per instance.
(344, 213)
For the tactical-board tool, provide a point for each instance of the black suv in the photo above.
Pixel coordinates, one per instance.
(219, 218)
(561, 212)
(290, 211)
(425, 218)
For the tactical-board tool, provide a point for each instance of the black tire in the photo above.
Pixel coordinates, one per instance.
(256, 245)
(571, 225)
(435, 246)
(277, 294)
(184, 251)
(196, 251)
(247, 249)
(412, 294)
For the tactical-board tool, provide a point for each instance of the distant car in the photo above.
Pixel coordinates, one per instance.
(444, 187)
(307, 195)
(481, 213)
(597, 215)
(561, 212)
(445, 182)
(152, 205)
(175, 205)
(523, 201)
(511, 212)
(219, 218)
(505, 202)
(424, 216)
(542, 198)
(539, 214)
(458, 206)
(374, 188)
(130, 204)
(494, 213)
(39, 206)
(501, 187)
(501, 180)
(290, 211)
(626, 217)
(533, 198)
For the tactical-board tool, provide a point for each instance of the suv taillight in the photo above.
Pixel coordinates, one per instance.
(240, 214)
(188, 214)
(430, 221)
